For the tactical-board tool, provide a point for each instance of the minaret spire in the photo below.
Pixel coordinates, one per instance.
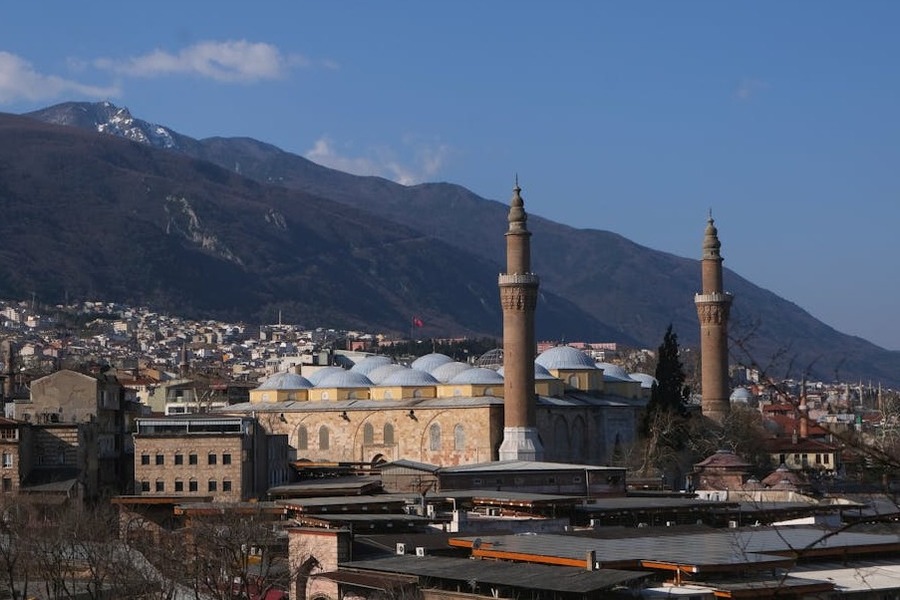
(518, 299)
(713, 307)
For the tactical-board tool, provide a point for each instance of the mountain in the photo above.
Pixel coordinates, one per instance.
(93, 216)
(629, 292)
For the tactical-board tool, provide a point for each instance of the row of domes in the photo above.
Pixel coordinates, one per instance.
(435, 368)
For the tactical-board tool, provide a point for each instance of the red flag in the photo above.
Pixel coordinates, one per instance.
(417, 322)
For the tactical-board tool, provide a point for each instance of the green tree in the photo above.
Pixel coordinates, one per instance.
(669, 392)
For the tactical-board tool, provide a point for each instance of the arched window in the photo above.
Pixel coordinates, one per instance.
(417, 393)
(573, 381)
(388, 433)
(434, 437)
(368, 434)
(459, 437)
(457, 392)
(302, 438)
(388, 394)
(323, 438)
(488, 391)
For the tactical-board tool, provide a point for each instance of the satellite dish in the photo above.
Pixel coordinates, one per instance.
(476, 544)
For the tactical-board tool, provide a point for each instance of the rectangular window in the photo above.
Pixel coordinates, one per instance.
(226, 459)
(160, 459)
(179, 486)
(212, 485)
(827, 458)
(160, 486)
(145, 486)
(179, 459)
(226, 485)
(7, 484)
(192, 459)
(192, 486)
(145, 459)
(7, 460)
(818, 459)
(211, 459)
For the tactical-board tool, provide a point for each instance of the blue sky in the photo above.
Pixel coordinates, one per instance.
(635, 117)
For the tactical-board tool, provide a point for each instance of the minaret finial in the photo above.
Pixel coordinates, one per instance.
(517, 216)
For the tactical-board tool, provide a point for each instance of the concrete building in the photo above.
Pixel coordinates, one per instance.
(713, 306)
(228, 459)
(79, 435)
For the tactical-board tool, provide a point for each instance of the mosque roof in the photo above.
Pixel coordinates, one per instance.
(429, 362)
(406, 377)
(448, 371)
(564, 358)
(612, 372)
(344, 379)
(540, 372)
(316, 376)
(478, 375)
(378, 374)
(646, 379)
(285, 381)
(370, 363)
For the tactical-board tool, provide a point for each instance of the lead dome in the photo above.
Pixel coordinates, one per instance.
(564, 358)
(286, 381)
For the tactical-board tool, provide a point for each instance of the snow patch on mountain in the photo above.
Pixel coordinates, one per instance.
(119, 122)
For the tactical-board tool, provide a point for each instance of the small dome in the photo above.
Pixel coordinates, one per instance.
(741, 394)
(316, 376)
(478, 375)
(409, 377)
(613, 372)
(430, 362)
(370, 363)
(344, 379)
(285, 381)
(378, 374)
(492, 359)
(448, 371)
(646, 380)
(564, 358)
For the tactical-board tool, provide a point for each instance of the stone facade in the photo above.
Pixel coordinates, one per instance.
(312, 551)
(226, 458)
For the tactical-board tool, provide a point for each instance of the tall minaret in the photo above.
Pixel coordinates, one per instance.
(518, 298)
(712, 309)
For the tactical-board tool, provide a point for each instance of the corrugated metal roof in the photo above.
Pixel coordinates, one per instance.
(496, 573)
(715, 548)
(524, 465)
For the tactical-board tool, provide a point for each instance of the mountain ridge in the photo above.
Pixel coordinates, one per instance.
(634, 290)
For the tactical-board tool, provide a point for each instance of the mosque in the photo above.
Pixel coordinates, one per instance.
(559, 406)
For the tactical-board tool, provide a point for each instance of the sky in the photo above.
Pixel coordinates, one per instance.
(638, 117)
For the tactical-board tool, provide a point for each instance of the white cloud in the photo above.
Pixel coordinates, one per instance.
(427, 159)
(749, 87)
(20, 81)
(233, 61)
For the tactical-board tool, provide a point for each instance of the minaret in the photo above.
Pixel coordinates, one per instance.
(712, 309)
(518, 298)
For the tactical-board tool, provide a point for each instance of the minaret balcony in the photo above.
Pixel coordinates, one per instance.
(518, 279)
(714, 297)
